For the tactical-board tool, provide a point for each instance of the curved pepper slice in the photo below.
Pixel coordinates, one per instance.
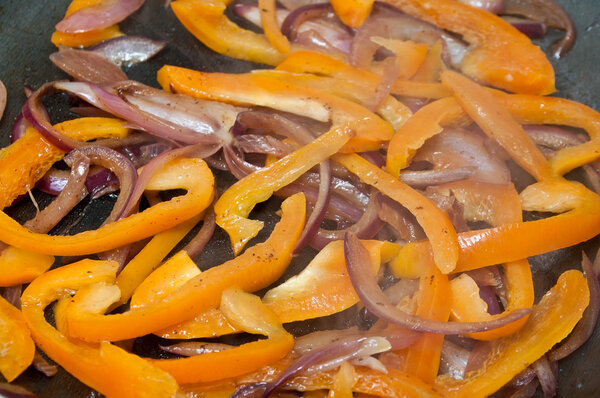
(497, 205)
(352, 12)
(235, 204)
(551, 320)
(255, 269)
(423, 356)
(322, 288)
(435, 222)
(268, 19)
(497, 123)
(248, 313)
(192, 175)
(150, 257)
(518, 240)
(500, 55)
(322, 64)
(18, 348)
(206, 20)
(21, 266)
(371, 132)
(84, 39)
(106, 368)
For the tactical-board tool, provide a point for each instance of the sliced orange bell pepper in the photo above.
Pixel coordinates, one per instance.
(352, 12)
(150, 257)
(21, 266)
(18, 348)
(247, 312)
(19, 170)
(500, 55)
(432, 65)
(84, 39)
(409, 55)
(552, 320)
(497, 123)
(268, 19)
(206, 20)
(164, 280)
(497, 205)
(322, 288)
(435, 222)
(518, 240)
(104, 367)
(193, 175)
(235, 204)
(324, 65)
(256, 268)
(423, 356)
(371, 132)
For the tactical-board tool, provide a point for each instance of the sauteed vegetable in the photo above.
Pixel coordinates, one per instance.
(411, 162)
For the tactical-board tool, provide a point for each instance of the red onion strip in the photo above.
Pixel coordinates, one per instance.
(32, 112)
(546, 374)
(41, 365)
(19, 128)
(191, 348)
(371, 296)
(195, 246)
(98, 16)
(87, 66)
(297, 17)
(128, 50)
(3, 97)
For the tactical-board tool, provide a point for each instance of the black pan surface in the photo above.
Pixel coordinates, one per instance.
(25, 29)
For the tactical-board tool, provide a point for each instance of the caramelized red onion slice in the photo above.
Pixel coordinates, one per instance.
(552, 14)
(129, 50)
(122, 168)
(87, 66)
(425, 178)
(192, 348)
(175, 128)
(13, 391)
(199, 242)
(19, 128)
(454, 359)
(371, 296)
(3, 97)
(37, 117)
(98, 16)
(12, 294)
(532, 29)
(587, 324)
(298, 16)
(43, 366)
(236, 164)
(71, 194)
(365, 228)
(547, 374)
(488, 295)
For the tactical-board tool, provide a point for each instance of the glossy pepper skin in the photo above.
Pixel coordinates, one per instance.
(256, 268)
(193, 175)
(104, 367)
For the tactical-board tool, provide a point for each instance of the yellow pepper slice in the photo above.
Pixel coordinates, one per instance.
(551, 320)
(18, 348)
(192, 175)
(104, 367)
(256, 268)
(352, 12)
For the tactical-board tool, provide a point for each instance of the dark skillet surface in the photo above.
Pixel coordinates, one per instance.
(25, 29)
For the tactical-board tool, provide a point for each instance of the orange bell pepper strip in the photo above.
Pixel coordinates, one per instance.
(409, 55)
(390, 109)
(255, 269)
(423, 356)
(432, 65)
(268, 19)
(104, 367)
(519, 240)
(497, 123)
(164, 280)
(530, 109)
(435, 222)
(371, 132)
(193, 175)
(150, 257)
(206, 20)
(322, 288)
(352, 12)
(324, 65)
(500, 55)
(84, 39)
(18, 348)
(551, 320)
(19, 266)
(247, 312)
(235, 204)
(497, 205)
(19, 170)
